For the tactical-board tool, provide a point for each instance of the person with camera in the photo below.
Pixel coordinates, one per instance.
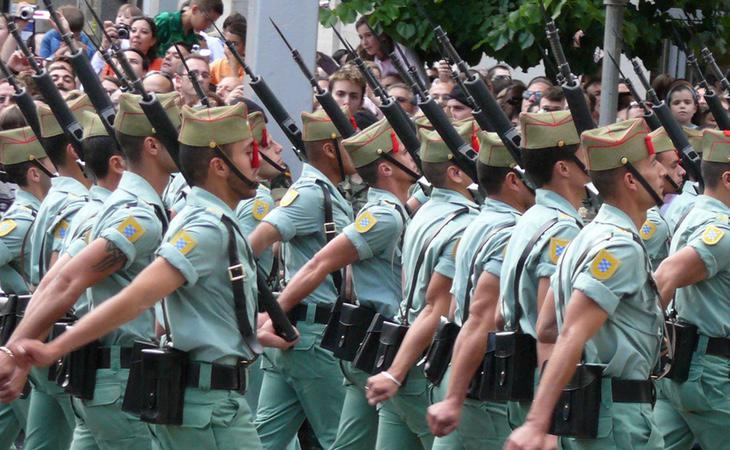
(52, 46)
(142, 36)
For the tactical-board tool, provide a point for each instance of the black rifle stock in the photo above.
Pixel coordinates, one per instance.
(279, 320)
(124, 85)
(193, 77)
(649, 116)
(25, 102)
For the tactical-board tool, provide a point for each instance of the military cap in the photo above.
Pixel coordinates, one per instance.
(716, 146)
(92, 124)
(492, 151)
(617, 144)
(435, 150)
(317, 126)
(369, 144)
(19, 145)
(132, 121)
(548, 130)
(694, 136)
(50, 126)
(659, 141)
(423, 122)
(211, 127)
(257, 124)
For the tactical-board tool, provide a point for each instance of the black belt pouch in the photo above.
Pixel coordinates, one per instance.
(685, 339)
(132, 402)
(439, 353)
(164, 380)
(391, 337)
(351, 330)
(576, 413)
(79, 375)
(513, 373)
(366, 353)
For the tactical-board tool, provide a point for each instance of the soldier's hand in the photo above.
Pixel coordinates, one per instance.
(261, 319)
(32, 352)
(527, 437)
(443, 417)
(380, 388)
(268, 338)
(12, 378)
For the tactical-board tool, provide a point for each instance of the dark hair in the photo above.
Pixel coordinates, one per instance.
(606, 181)
(153, 28)
(132, 146)
(194, 162)
(18, 173)
(661, 85)
(181, 68)
(215, 6)
(12, 118)
(491, 178)
(145, 59)
(539, 163)
(56, 149)
(435, 173)
(97, 151)
(114, 80)
(233, 18)
(73, 16)
(712, 172)
(554, 94)
(540, 79)
(386, 42)
(237, 28)
(369, 172)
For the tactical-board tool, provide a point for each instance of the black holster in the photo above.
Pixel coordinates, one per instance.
(12, 309)
(77, 374)
(439, 352)
(480, 383)
(132, 402)
(56, 371)
(366, 353)
(351, 330)
(684, 336)
(576, 413)
(512, 375)
(391, 337)
(329, 337)
(164, 379)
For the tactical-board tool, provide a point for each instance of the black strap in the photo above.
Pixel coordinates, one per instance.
(330, 229)
(21, 270)
(645, 184)
(470, 282)
(422, 256)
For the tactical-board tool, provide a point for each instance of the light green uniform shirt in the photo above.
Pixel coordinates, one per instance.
(441, 253)
(706, 304)
(64, 200)
(129, 221)
(377, 235)
(541, 259)
(173, 197)
(495, 223)
(201, 313)
(299, 218)
(615, 274)
(15, 230)
(681, 204)
(250, 213)
(656, 234)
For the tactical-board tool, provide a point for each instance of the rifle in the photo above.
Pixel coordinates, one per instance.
(193, 77)
(649, 116)
(24, 101)
(271, 103)
(393, 112)
(106, 55)
(571, 88)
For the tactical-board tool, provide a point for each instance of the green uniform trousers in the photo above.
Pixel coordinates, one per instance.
(50, 416)
(212, 419)
(483, 425)
(304, 381)
(621, 426)
(402, 419)
(697, 410)
(358, 428)
(101, 423)
(13, 418)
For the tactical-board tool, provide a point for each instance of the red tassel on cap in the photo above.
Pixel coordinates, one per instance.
(649, 145)
(264, 138)
(354, 124)
(474, 139)
(255, 161)
(394, 141)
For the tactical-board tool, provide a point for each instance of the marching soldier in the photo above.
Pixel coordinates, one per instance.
(679, 205)
(696, 276)
(305, 380)
(459, 421)
(429, 249)
(606, 304)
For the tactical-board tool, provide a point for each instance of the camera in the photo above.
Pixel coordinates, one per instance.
(26, 12)
(123, 31)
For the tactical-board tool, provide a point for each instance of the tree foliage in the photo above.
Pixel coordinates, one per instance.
(514, 31)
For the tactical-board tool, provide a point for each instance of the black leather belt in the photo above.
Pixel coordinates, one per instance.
(718, 347)
(633, 391)
(299, 314)
(226, 378)
(104, 358)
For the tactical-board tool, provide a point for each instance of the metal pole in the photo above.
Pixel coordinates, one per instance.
(609, 73)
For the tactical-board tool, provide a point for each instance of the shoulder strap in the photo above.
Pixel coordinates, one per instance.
(21, 270)
(422, 256)
(330, 230)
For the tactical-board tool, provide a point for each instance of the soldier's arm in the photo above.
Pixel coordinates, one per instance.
(334, 256)
(683, 268)
(263, 237)
(544, 348)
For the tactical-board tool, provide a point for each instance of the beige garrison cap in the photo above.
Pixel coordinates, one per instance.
(19, 145)
(211, 127)
(716, 146)
(548, 130)
(492, 151)
(132, 121)
(372, 142)
(617, 144)
(50, 126)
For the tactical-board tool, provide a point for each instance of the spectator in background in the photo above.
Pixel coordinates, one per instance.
(341, 56)
(403, 95)
(235, 32)
(52, 45)
(457, 106)
(62, 76)
(661, 85)
(683, 103)
(534, 92)
(440, 91)
(389, 80)
(171, 61)
(185, 88)
(347, 86)
(500, 75)
(225, 86)
(110, 85)
(6, 95)
(158, 82)
(183, 25)
(139, 63)
(553, 100)
(510, 100)
(123, 20)
(142, 37)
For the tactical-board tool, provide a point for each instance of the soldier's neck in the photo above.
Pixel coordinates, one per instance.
(332, 172)
(72, 170)
(36, 190)
(156, 177)
(568, 192)
(631, 207)
(509, 199)
(719, 193)
(400, 190)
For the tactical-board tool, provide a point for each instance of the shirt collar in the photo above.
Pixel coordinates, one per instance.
(200, 197)
(312, 172)
(99, 193)
(552, 199)
(26, 198)
(690, 187)
(711, 204)
(377, 194)
(69, 185)
(139, 188)
(451, 196)
(499, 206)
(611, 215)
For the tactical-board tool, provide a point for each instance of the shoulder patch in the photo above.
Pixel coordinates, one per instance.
(6, 226)
(131, 229)
(364, 222)
(604, 265)
(260, 209)
(289, 197)
(557, 247)
(647, 230)
(723, 218)
(61, 230)
(712, 235)
(183, 242)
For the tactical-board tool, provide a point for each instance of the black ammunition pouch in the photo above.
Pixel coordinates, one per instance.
(76, 372)
(439, 352)
(480, 383)
(132, 402)
(576, 413)
(684, 337)
(368, 350)
(351, 329)
(164, 379)
(329, 337)
(55, 370)
(12, 309)
(391, 337)
(512, 376)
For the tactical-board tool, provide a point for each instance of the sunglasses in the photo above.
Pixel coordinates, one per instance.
(527, 94)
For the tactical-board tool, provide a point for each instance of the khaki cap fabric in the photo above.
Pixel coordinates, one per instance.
(492, 151)
(716, 146)
(50, 126)
(317, 126)
(694, 135)
(92, 124)
(131, 120)
(435, 150)
(547, 130)
(617, 144)
(423, 122)
(659, 140)
(211, 127)
(257, 124)
(19, 145)
(369, 144)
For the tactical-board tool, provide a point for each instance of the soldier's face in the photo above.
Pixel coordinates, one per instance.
(241, 154)
(273, 152)
(458, 110)
(671, 162)
(654, 172)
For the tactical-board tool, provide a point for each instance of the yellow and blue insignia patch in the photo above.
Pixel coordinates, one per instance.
(289, 197)
(260, 209)
(712, 235)
(6, 226)
(131, 229)
(183, 242)
(647, 230)
(557, 247)
(61, 230)
(364, 222)
(604, 265)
